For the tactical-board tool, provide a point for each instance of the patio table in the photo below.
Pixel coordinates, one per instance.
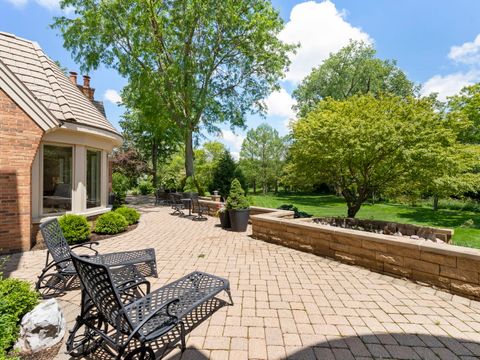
(188, 201)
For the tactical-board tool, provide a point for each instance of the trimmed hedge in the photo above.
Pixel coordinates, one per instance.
(131, 215)
(16, 299)
(76, 228)
(110, 223)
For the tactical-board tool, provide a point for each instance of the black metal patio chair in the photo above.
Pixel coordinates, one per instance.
(161, 197)
(199, 209)
(59, 270)
(116, 325)
(177, 204)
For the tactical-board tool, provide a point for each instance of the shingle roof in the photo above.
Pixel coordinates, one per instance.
(42, 76)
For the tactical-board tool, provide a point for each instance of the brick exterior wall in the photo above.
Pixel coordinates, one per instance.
(19, 141)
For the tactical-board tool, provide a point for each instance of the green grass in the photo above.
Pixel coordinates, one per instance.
(329, 205)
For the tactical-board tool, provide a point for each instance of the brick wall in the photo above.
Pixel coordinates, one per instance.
(454, 268)
(19, 141)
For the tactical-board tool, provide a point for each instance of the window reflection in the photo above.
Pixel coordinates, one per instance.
(57, 179)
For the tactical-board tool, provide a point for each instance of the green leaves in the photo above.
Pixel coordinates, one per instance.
(263, 155)
(352, 70)
(384, 144)
(236, 198)
(198, 63)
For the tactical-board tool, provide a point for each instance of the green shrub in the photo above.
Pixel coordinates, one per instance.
(135, 192)
(120, 186)
(145, 186)
(110, 223)
(75, 228)
(236, 198)
(190, 185)
(298, 213)
(16, 299)
(131, 215)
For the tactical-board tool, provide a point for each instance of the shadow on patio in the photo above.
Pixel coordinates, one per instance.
(391, 346)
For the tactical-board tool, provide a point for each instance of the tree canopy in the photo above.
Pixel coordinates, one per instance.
(465, 107)
(262, 156)
(203, 62)
(224, 173)
(384, 144)
(353, 70)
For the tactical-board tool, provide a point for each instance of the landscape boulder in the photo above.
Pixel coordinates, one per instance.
(41, 328)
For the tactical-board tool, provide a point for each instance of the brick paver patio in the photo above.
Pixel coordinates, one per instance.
(288, 303)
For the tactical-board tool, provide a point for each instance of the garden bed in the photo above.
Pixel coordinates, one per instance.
(40, 245)
(410, 231)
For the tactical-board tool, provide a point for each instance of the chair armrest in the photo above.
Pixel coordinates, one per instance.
(86, 246)
(152, 315)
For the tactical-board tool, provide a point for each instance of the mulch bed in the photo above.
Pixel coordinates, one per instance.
(93, 237)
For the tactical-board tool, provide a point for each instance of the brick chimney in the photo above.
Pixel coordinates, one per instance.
(86, 89)
(73, 77)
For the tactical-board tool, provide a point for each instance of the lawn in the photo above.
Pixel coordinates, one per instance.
(329, 205)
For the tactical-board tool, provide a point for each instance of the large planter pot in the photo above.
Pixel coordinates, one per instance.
(224, 220)
(239, 219)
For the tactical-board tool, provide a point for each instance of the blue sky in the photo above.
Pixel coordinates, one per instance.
(434, 42)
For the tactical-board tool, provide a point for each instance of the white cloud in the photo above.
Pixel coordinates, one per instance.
(49, 4)
(113, 96)
(450, 84)
(18, 3)
(280, 103)
(320, 29)
(233, 141)
(467, 53)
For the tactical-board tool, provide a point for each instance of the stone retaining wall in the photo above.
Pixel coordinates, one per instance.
(449, 267)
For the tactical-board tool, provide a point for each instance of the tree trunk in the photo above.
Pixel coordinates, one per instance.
(352, 210)
(435, 202)
(154, 163)
(276, 186)
(189, 153)
(254, 187)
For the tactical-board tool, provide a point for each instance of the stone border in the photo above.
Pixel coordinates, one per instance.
(450, 267)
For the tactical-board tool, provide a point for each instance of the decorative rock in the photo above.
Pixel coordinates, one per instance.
(41, 328)
(414, 237)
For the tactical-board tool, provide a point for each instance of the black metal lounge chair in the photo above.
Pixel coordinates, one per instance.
(59, 269)
(199, 209)
(117, 325)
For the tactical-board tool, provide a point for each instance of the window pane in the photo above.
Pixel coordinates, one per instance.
(57, 179)
(93, 178)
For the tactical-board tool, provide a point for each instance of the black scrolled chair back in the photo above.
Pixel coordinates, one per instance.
(97, 282)
(56, 243)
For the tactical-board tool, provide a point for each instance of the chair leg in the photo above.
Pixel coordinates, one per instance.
(229, 295)
(182, 336)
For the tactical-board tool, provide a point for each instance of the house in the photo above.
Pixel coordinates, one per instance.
(54, 144)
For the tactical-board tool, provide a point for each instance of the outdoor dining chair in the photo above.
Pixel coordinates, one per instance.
(125, 330)
(59, 269)
(199, 209)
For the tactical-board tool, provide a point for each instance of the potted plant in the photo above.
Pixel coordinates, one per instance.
(238, 207)
(224, 218)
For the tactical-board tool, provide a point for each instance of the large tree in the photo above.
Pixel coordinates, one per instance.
(206, 160)
(262, 156)
(204, 61)
(465, 107)
(353, 70)
(156, 139)
(384, 144)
